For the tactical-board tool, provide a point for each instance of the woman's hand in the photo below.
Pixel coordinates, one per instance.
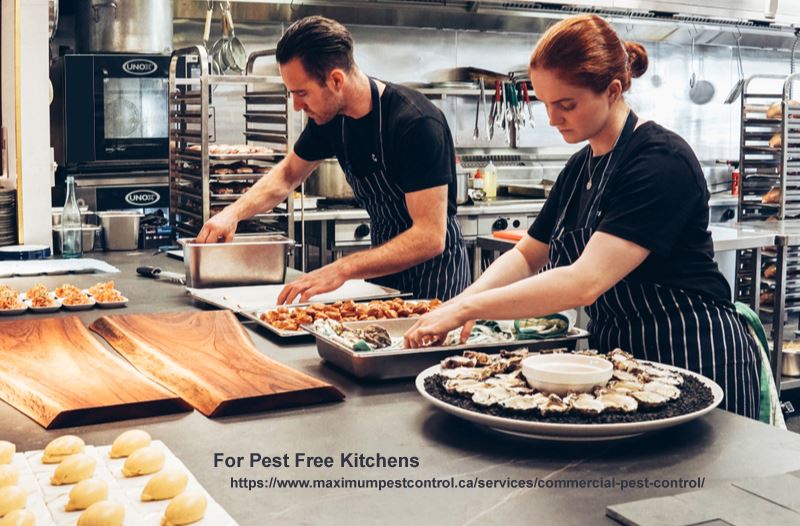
(433, 327)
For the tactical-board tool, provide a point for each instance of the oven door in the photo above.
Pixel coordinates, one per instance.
(131, 107)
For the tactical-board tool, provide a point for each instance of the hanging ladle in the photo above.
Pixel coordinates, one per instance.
(736, 90)
(700, 91)
(234, 53)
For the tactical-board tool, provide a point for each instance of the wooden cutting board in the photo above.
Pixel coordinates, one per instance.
(209, 360)
(56, 372)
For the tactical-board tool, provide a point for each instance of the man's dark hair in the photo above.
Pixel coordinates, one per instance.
(320, 43)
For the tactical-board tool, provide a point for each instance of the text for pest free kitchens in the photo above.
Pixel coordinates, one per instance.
(304, 460)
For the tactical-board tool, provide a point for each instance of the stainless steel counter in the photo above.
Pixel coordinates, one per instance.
(501, 206)
(391, 418)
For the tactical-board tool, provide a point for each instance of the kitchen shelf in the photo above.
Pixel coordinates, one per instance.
(193, 194)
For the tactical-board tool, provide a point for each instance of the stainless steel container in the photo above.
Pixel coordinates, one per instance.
(124, 26)
(790, 365)
(120, 229)
(384, 364)
(89, 235)
(328, 180)
(247, 260)
(462, 193)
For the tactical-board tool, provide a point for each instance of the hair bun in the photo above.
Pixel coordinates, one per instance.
(637, 58)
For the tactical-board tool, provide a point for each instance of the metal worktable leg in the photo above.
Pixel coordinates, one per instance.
(778, 311)
(476, 263)
(323, 243)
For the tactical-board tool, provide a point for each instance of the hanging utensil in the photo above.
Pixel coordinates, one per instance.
(235, 53)
(527, 98)
(207, 28)
(494, 110)
(217, 67)
(736, 90)
(700, 91)
(483, 103)
(476, 132)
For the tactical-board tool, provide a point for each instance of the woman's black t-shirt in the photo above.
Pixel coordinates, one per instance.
(657, 198)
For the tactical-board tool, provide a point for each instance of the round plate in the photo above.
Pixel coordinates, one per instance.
(571, 432)
(113, 304)
(44, 310)
(10, 312)
(86, 306)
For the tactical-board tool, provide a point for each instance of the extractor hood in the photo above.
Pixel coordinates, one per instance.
(710, 22)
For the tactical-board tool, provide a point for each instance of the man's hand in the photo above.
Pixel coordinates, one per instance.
(221, 227)
(322, 280)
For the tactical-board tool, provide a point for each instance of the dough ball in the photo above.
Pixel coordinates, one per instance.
(128, 442)
(61, 448)
(143, 462)
(165, 485)
(85, 493)
(103, 513)
(12, 498)
(186, 508)
(74, 468)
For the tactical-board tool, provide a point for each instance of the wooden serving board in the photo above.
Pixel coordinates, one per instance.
(209, 360)
(56, 372)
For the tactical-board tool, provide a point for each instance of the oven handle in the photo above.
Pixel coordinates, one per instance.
(106, 3)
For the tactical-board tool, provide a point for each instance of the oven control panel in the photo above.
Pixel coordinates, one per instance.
(491, 223)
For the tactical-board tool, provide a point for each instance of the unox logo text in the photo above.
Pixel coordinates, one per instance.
(139, 66)
(142, 197)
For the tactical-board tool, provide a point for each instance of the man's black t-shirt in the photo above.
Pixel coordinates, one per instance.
(417, 143)
(657, 198)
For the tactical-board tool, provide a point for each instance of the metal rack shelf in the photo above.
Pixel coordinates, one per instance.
(267, 120)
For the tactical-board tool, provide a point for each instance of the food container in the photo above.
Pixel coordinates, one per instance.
(404, 363)
(247, 260)
(790, 365)
(90, 235)
(566, 373)
(120, 229)
(329, 181)
(462, 187)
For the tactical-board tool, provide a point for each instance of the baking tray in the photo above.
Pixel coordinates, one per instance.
(405, 363)
(262, 297)
(302, 333)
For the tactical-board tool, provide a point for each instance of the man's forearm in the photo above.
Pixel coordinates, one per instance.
(399, 253)
(262, 196)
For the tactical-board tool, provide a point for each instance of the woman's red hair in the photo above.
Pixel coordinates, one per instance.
(587, 52)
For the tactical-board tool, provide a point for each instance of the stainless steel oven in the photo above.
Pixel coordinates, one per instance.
(109, 110)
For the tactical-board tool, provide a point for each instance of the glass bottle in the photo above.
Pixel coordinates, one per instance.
(71, 236)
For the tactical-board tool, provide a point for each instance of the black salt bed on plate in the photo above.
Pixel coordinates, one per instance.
(694, 396)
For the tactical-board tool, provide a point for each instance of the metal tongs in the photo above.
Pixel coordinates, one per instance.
(494, 112)
(529, 107)
(736, 90)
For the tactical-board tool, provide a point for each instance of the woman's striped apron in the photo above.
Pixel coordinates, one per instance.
(660, 323)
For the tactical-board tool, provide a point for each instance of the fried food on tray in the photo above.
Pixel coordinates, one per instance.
(9, 298)
(97, 288)
(291, 318)
(106, 293)
(42, 301)
(66, 290)
(78, 298)
(36, 291)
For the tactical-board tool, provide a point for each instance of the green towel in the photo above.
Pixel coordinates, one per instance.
(558, 327)
(770, 408)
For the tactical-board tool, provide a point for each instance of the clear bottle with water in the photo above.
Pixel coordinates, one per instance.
(71, 236)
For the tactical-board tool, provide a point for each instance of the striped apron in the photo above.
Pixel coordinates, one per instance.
(443, 276)
(663, 324)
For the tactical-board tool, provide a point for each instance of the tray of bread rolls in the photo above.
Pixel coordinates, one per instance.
(136, 481)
